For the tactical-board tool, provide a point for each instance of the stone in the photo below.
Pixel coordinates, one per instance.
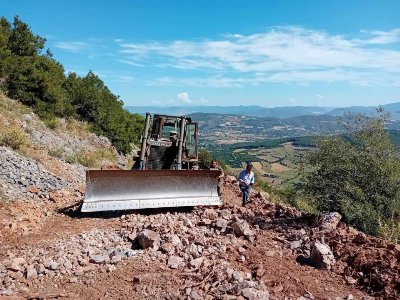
(19, 260)
(130, 253)
(175, 240)
(149, 239)
(116, 259)
(32, 189)
(206, 222)
(174, 262)
(41, 269)
(211, 214)
(195, 295)
(221, 223)
(73, 280)
(98, 259)
(330, 221)
(16, 274)
(168, 248)
(321, 256)
(226, 214)
(31, 272)
(237, 276)
(67, 265)
(241, 228)
(111, 268)
(295, 245)
(187, 223)
(254, 294)
(196, 263)
(16, 267)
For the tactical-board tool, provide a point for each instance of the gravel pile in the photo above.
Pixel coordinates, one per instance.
(72, 257)
(23, 176)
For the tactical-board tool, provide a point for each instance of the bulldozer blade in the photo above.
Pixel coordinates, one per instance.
(121, 190)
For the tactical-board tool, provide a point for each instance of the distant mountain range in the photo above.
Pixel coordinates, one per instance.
(260, 111)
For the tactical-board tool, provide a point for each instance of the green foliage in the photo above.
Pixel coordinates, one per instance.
(5, 32)
(357, 175)
(58, 152)
(38, 81)
(13, 137)
(92, 101)
(22, 42)
(204, 158)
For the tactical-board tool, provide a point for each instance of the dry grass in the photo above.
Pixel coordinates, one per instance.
(92, 159)
(13, 137)
(78, 128)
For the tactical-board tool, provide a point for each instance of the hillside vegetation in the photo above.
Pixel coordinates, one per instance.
(31, 75)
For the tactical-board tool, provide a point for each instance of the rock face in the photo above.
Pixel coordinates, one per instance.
(322, 256)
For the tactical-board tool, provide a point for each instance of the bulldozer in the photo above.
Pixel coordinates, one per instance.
(165, 172)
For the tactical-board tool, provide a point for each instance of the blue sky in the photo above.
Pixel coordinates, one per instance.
(269, 53)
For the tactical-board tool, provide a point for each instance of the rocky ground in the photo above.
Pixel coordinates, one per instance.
(262, 251)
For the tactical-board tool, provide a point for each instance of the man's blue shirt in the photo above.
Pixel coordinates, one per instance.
(248, 178)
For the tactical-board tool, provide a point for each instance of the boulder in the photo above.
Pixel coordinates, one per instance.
(330, 221)
(149, 239)
(241, 228)
(321, 256)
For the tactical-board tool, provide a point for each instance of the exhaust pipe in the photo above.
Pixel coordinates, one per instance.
(144, 141)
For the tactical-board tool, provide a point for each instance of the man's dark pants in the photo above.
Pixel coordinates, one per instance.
(246, 192)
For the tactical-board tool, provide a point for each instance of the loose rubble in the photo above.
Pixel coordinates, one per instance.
(21, 176)
(262, 251)
(197, 245)
(72, 257)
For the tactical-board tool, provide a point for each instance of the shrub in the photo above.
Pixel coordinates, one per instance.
(87, 158)
(58, 152)
(105, 154)
(78, 127)
(357, 175)
(13, 137)
(50, 121)
(391, 229)
(204, 159)
(91, 159)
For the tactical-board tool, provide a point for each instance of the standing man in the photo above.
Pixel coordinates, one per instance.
(215, 166)
(246, 180)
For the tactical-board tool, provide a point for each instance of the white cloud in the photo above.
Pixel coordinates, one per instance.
(280, 54)
(293, 101)
(383, 37)
(72, 46)
(184, 97)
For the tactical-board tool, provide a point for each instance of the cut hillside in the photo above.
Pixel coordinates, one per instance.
(36, 159)
(262, 251)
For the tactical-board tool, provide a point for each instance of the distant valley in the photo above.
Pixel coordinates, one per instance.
(248, 124)
(260, 111)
